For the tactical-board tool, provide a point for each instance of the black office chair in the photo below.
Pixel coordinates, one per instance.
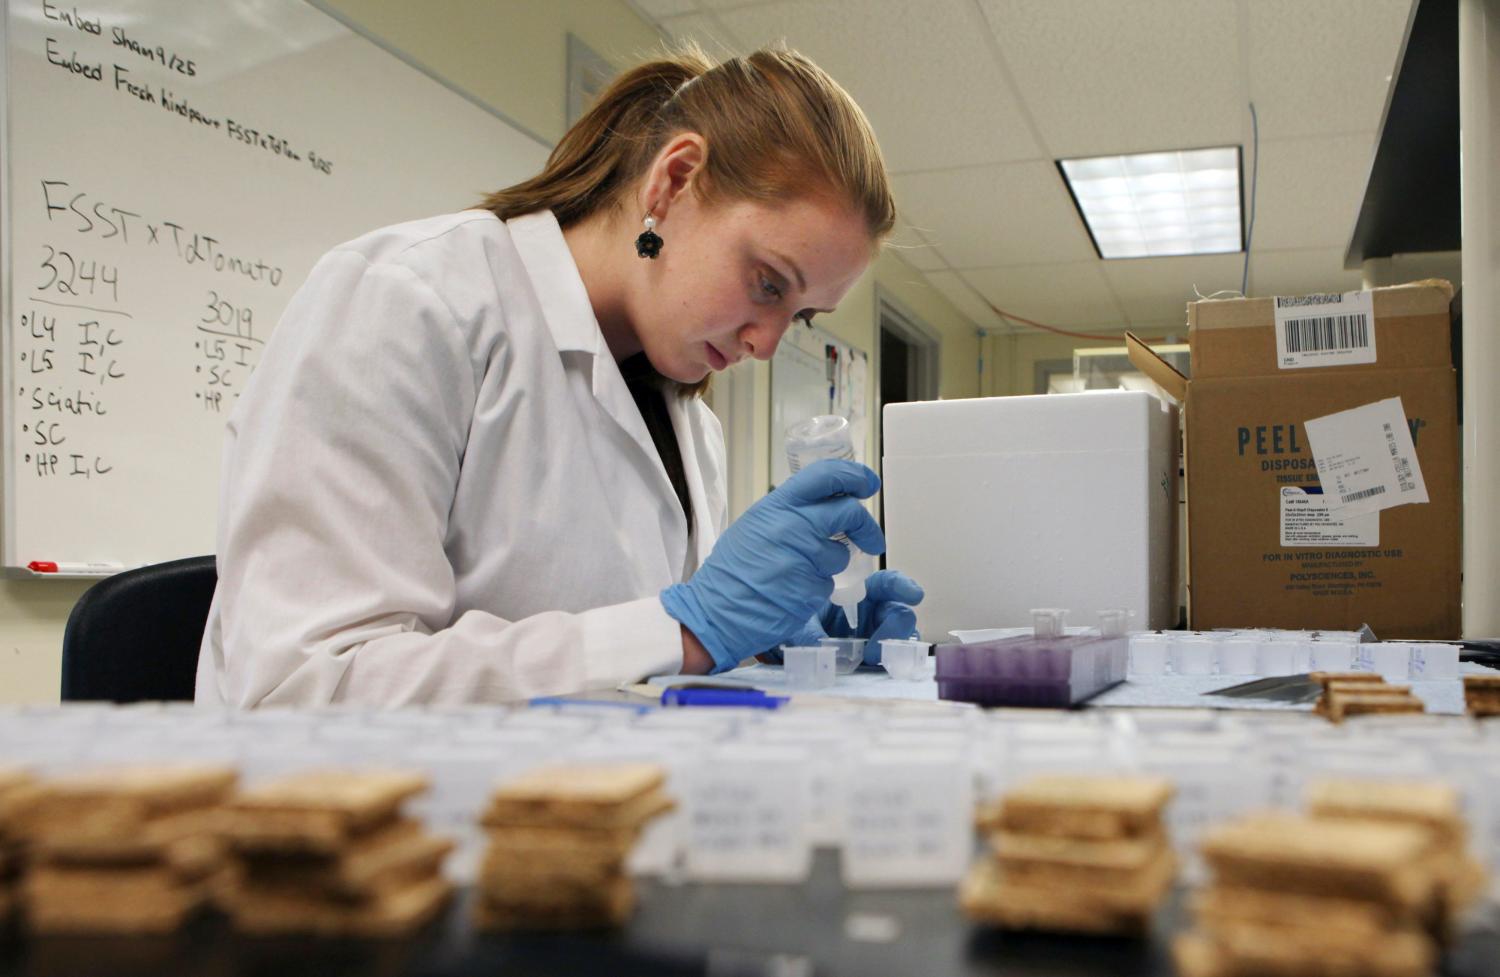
(134, 636)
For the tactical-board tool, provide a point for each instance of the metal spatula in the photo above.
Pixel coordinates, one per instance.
(1278, 688)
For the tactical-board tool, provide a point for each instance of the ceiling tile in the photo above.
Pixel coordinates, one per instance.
(1013, 214)
(912, 246)
(1154, 290)
(1300, 272)
(1309, 190)
(921, 69)
(1068, 295)
(1322, 67)
(963, 296)
(1111, 77)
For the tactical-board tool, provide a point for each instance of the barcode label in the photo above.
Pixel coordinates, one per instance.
(1402, 463)
(1370, 492)
(1324, 330)
(1335, 332)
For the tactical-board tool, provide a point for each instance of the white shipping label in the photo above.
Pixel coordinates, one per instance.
(1324, 330)
(1366, 459)
(1306, 520)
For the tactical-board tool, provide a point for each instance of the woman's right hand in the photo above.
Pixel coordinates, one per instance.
(774, 566)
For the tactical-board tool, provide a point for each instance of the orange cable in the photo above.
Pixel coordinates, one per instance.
(1097, 337)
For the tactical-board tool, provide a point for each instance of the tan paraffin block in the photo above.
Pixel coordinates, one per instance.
(623, 821)
(1482, 703)
(987, 896)
(1432, 805)
(161, 788)
(1258, 951)
(1120, 890)
(1197, 956)
(318, 811)
(1340, 707)
(1081, 807)
(12, 778)
(395, 913)
(1123, 855)
(389, 859)
(1219, 907)
(16, 786)
(546, 893)
(620, 795)
(611, 906)
(113, 808)
(189, 839)
(1324, 856)
(1344, 687)
(129, 899)
(15, 802)
(563, 841)
(1363, 678)
(1367, 691)
(581, 863)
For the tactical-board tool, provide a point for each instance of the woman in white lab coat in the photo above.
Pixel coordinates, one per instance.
(473, 465)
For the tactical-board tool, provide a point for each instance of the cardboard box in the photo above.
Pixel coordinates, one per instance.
(998, 505)
(1250, 469)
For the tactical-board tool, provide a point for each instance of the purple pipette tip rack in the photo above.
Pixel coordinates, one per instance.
(1031, 671)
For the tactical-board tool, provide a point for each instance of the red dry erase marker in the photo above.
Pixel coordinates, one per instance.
(42, 566)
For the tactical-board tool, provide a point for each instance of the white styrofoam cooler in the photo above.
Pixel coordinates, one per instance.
(998, 505)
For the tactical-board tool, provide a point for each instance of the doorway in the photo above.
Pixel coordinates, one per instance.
(908, 357)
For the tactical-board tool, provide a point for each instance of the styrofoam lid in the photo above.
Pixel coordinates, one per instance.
(1096, 421)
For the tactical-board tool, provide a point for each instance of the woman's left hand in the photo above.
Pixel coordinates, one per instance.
(886, 612)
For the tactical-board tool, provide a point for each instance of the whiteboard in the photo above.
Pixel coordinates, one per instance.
(813, 373)
(171, 171)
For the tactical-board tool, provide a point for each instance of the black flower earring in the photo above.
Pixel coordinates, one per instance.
(648, 245)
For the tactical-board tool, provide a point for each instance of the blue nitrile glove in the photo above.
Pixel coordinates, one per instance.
(774, 566)
(886, 612)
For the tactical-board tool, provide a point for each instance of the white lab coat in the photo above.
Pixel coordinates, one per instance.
(437, 488)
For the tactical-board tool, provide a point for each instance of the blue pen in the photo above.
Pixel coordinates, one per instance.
(745, 698)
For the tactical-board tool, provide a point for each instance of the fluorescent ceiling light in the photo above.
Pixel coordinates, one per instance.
(1153, 204)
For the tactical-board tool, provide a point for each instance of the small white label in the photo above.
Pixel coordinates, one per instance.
(1324, 330)
(908, 819)
(1306, 520)
(746, 817)
(1366, 459)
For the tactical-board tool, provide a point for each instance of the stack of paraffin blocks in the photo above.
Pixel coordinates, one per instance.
(1370, 883)
(559, 838)
(1074, 854)
(329, 854)
(1348, 694)
(135, 850)
(15, 785)
(1482, 695)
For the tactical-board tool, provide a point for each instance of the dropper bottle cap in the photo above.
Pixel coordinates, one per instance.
(1047, 622)
(1114, 622)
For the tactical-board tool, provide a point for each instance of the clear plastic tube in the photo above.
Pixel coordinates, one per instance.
(816, 439)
